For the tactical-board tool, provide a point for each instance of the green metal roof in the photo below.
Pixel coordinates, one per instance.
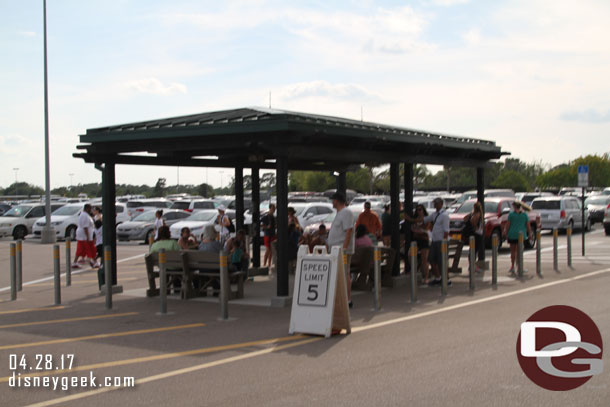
(238, 134)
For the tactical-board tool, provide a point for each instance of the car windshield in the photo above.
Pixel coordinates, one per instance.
(490, 207)
(202, 216)
(298, 209)
(18, 211)
(180, 205)
(542, 204)
(597, 201)
(145, 217)
(464, 197)
(67, 210)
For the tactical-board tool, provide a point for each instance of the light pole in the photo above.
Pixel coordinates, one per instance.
(48, 232)
(221, 173)
(16, 186)
(71, 175)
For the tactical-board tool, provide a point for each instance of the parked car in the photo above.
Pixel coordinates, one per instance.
(560, 212)
(327, 221)
(597, 205)
(122, 213)
(488, 193)
(142, 226)
(311, 212)
(528, 197)
(496, 216)
(18, 220)
(4, 207)
(194, 205)
(139, 206)
(64, 221)
(196, 222)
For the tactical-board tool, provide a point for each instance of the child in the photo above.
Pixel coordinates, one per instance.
(99, 243)
(237, 255)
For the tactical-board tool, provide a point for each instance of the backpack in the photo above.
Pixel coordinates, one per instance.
(231, 226)
(467, 230)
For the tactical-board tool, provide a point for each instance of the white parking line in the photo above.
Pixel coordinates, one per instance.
(40, 280)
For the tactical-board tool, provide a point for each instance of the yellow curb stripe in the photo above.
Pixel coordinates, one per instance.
(58, 321)
(161, 356)
(19, 311)
(176, 372)
(101, 336)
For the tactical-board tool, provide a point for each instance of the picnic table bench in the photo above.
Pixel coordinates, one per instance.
(191, 272)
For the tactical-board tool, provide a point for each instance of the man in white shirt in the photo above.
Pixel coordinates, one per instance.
(440, 231)
(85, 246)
(342, 234)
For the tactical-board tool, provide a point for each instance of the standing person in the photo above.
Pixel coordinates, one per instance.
(223, 223)
(386, 226)
(85, 246)
(518, 221)
(370, 220)
(421, 235)
(99, 243)
(440, 231)
(97, 213)
(474, 227)
(293, 220)
(159, 221)
(268, 223)
(342, 235)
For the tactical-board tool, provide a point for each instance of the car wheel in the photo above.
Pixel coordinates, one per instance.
(71, 232)
(20, 232)
(149, 235)
(588, 226)
(530, 243)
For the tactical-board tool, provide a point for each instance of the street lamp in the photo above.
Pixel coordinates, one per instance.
(71, 175)
(48, 232)
(221, 172)
(16, 186)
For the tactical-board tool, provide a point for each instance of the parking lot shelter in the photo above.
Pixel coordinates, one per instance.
(259, 138)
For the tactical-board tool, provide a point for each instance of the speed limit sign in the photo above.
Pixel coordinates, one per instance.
(319, 303)
(313, 284)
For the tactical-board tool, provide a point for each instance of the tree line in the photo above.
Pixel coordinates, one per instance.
(510, 173)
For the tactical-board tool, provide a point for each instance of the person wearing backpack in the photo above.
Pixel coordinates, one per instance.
(474, 226)
(223, 223)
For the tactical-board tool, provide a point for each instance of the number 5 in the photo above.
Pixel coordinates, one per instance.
(313, 289)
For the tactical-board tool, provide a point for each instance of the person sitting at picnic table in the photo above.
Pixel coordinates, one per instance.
(293, 220)
(164, 241)
(239, 238)
(187, 240)
(319, 238)
(208, 240)
(237, 254)
(362, 237)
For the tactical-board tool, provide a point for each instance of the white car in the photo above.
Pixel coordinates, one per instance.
(64, 221)
(196, 222)
(194, 205)
(139, 206)
(18, 221)
(373, 199)
(311, 212)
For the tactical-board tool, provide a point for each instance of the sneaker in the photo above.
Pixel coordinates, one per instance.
(350, 304)
(449, 283)
(436, 281)
(75, 265)
(511, 272)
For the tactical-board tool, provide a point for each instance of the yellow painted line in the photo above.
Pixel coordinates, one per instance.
(163, 356)
(177, 372)
(80, 282)
(57, 321)
(19, 311)
(102, 336)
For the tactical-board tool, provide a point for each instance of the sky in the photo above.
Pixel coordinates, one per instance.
(531, 75)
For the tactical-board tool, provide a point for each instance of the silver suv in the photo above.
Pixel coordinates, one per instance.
(561, 212)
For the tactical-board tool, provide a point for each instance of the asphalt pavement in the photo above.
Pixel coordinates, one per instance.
(453, 350)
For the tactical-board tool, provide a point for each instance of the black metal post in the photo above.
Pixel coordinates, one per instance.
(109, 215)
(239, 198)
(408, 205)
(342, 183)
(395, 213)
(481, 199)
(282, 226)
(256, 218)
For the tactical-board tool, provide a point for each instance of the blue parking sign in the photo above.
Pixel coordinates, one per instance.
(583, 176)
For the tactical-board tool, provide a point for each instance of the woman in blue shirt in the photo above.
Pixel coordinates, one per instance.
(518, 221)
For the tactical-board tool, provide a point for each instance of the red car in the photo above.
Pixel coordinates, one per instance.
(496, 215)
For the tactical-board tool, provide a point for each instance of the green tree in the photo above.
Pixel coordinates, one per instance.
(512, 180)
(159, 189)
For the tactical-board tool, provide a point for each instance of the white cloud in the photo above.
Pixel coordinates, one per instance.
(27, 34)
(324, 89)
(472, 37)
(587, 116)
(447, 2)
(155, 86)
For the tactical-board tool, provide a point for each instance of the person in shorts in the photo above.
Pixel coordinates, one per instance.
(268, 222)
(99, 243)
(440, 231)
(342, 235)
(518, 222)
(85, 245)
